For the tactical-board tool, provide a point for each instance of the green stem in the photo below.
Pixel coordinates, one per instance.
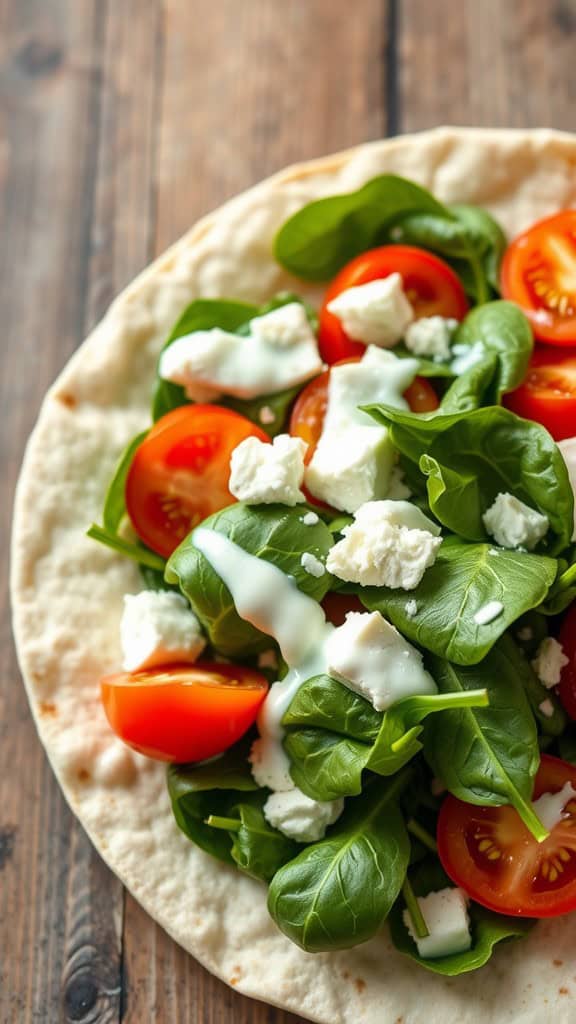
(422, 834)
(227, 824)
(138, 554)
(567, 578)
(416, 915)
(482, 292)
(531, 820)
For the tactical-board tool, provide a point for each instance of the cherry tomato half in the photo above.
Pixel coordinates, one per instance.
(337, 606)
(548, 392)
(180, 472)
(185, 712)
(490, 853)
(430, 284)
(539, 274)
(307, 418)
(567, 637)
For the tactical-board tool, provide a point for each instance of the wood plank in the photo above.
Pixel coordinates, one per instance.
(261, 86)
(489, 63)
(76, 201)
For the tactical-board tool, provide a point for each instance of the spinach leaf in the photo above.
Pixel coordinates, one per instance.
(319, 239)
(470, 389)
(200, 315)
(333, 735)
(275, 533)
(137, 552)
(487, 930)
(567, 744)
(503, 451)
(536, 692)
(338, 891)
(501, 328)
(463, 579)
(213, 788)
(487, 756)
(486, 236)
(257, 848)
(115, 501)
(562, 593)
(266, 407)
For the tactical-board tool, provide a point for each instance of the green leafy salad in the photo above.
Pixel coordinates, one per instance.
(355, 642)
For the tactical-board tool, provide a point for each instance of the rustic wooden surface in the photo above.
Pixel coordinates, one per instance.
(121, 121)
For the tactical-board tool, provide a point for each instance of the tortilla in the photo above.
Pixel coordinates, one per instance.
(67, 597)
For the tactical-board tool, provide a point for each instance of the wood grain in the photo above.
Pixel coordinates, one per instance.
(121, 121)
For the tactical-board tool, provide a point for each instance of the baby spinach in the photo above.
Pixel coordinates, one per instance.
(550, 725)
(463, 579)
(213, 788)
(115, 501)
(203, 315)
(319, 239)
(563, 591)
(333, 735)
(505, 454)
(136, 552)
(258, 849)
(487, 929)
(275, 533)
(469, 390)
(501, 328)
(338, 891)
(486, 237)
(487, 756)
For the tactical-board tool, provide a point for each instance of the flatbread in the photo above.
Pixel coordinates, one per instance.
(67, 599)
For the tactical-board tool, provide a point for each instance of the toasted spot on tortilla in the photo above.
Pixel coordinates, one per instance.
(235, 977)
(83, 775)
(359, 984)
(558, 963)
(65, 398)
(563, 991)
(47, 709)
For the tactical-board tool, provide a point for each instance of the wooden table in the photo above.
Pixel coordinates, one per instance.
(122, 122)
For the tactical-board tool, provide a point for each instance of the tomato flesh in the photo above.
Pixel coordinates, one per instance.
(180, 472)
(567, 637)
(490, 853)
(548, 392)
(183, 713)
(539, 274)
(309, 410)
(430, 284)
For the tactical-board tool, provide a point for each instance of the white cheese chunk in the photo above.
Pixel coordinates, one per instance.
(310, 519)
(300, 817)
(446, 915)
(372, 658)
(280, 352)
(158, 628)
(389, 544)
(265, 473)
(549, 807)
(376, 313)
(312, 565)
(549, 662)
(430, 336)
(568, 449)
(354, 460)
(269, 763)
(488, 612)
(546, 707)
(513, 524)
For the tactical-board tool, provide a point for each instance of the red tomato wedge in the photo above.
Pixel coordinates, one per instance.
(307, 418)
(548, 392)
(567, 637)
(430, 284)
(185, 712)
(490, 853)
(539, 274)
(180, 472)
(337, 606)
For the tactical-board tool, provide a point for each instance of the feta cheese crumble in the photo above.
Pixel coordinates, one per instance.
(549, 662)
(488, 612)
(312, 565)
(466, 357)
(431, 336)
(354, 460)
(299, 817)
(513, 524)
(375, 313)
(266, 415)
(280, 352)
(158, 628)
(549, 807)
(310, 519)
(446, 915)
(546, 707)
(265, 473)
(389, 544)
(373, 659)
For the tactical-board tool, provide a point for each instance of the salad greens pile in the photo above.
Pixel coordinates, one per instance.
(482, 734)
